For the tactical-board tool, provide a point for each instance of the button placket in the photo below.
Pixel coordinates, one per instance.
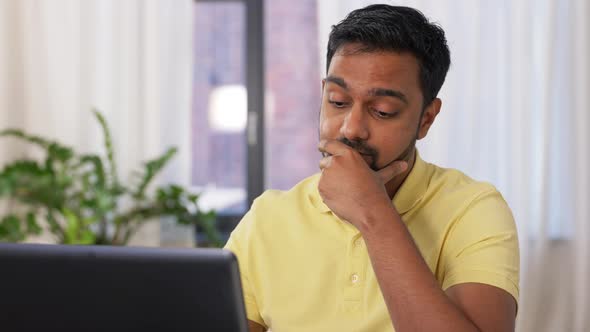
(354, 280)
(356, 269)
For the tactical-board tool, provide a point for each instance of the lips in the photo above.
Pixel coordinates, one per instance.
(365, 154)
(367, 157)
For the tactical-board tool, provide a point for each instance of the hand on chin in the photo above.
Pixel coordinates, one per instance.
(348, 186)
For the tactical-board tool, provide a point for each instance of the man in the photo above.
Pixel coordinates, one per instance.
(380, 240)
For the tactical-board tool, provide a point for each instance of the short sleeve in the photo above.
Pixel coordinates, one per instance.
(239, 244)
(482, 246)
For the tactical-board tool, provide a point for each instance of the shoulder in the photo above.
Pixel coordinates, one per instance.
(459, 191)
(453, 181)
(275, 207)
(480, 241)
(475, 208)
(302, 194)
(454, 202)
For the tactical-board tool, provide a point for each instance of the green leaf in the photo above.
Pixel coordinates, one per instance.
(10, 229)
(30, 183)
(108, 144)
(152, 168)
(17, 133)
(207, 222)
(32, 225)
(72, 227)
(97, 169)
(54, 226)
(105, 201)
(6, 184)
(59, 152)
(87, 237)
(176, 190)
(193, 198)
(54, 150)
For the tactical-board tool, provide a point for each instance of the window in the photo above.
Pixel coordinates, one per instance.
(254, 127)
(220, 105)
(293, 92)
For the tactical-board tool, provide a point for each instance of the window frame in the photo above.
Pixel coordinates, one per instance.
(255, 168)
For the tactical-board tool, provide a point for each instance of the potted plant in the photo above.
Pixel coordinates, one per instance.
(80, 199)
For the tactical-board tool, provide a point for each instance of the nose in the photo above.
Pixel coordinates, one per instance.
(354, 126)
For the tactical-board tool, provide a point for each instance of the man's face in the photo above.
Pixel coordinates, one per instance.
(372, 101)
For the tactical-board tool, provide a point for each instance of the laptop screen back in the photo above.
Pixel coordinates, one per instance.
(99, 288)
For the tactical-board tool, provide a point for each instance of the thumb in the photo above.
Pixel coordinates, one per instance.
(390, 171)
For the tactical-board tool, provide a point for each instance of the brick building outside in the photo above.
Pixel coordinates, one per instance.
(292, 93)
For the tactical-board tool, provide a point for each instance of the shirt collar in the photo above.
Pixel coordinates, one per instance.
(408, 195)
(314, 195)
(413, 188)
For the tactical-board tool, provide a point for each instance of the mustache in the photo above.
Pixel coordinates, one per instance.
(360, 146)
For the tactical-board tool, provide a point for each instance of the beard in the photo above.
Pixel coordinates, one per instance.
(366, 150)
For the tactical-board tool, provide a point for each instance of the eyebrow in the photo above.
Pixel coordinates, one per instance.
(376, 92)
(338, 81)
(379, 92)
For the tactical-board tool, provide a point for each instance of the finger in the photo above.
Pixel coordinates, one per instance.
(333, 147)
(325, 162)
(390, 171)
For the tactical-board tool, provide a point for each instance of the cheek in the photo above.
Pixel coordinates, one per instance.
(329, 127)
(392, 143)
(403, 137)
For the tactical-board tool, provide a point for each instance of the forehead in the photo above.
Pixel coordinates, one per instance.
(380, 69)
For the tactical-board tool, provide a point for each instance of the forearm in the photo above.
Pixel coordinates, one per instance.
(413, 296)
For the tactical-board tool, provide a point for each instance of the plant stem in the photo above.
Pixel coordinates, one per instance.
(103, 229)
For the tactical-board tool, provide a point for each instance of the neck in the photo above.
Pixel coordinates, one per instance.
(394, 184)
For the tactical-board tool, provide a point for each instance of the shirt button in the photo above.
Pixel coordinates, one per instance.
(358, 243)
(354, 278)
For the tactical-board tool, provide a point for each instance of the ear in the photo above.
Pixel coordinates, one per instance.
(428, 117)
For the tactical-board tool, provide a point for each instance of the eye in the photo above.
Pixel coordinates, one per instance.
(337, 104)
(384, 115)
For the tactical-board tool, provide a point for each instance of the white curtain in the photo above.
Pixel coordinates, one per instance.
(515, 113)
(131, 59)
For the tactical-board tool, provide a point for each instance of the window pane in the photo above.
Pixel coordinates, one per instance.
(293, 91)
(292, 97)
(219, 106)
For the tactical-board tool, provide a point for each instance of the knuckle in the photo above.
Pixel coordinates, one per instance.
(336, 160)
(348, 153)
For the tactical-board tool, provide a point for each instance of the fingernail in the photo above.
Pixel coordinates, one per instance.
(404, 166)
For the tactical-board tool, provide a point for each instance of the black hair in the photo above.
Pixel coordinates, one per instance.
(397, 29)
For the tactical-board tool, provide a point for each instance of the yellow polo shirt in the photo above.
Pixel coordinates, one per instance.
(303, 269)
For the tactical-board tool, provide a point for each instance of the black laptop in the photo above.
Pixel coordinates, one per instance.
(100, 288)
